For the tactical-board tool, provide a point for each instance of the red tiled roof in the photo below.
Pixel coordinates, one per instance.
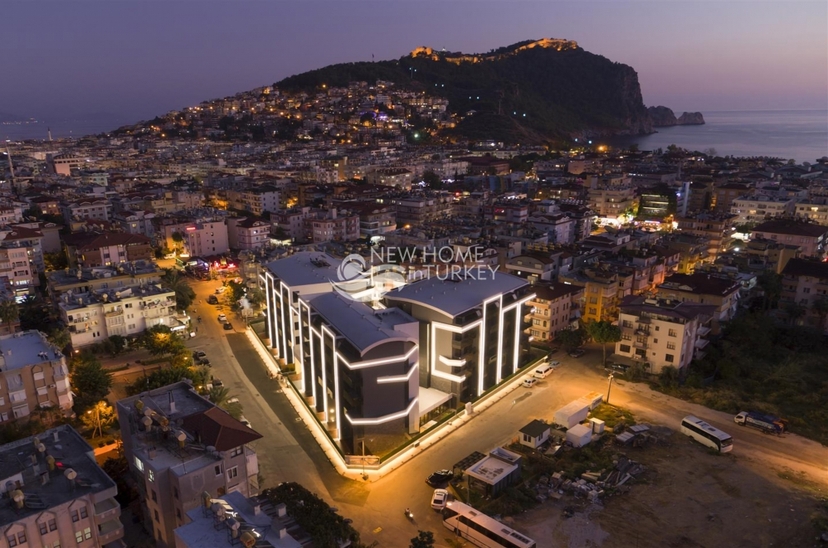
(217, 428)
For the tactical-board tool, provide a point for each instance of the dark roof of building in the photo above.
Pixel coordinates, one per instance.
(794, 228)
(550, 293)
(701, 283)
(535, 429)
(805, 267)
(217, 428)
(95, 240)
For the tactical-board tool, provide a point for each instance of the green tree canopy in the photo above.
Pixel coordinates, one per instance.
(90, 381)
(159, 340)
(9, 312)
(424, 539)
(169, 375)
(603, 332)
(184, 294)
(570, 339)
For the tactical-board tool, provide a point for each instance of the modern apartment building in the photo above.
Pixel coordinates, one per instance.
(56, 494)
(601, 292)
(16, 266)
(180, 446)
(662, 332)
(611, 201)
(814, 209)
(366, 371)
(374, 219)
(86, 209)
(33, 375)
(93, 316)
(422, 208)
(258, 200)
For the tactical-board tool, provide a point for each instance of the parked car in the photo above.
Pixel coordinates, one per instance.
(623, 368)
(198, 354)
(222, 317)
(228, 326)
(530, 382)
(216, 382)
(245, 422)
(439, 499)
(554, 364)
(212, 299)
(577, 353)
(440, 477)
(542, 371)
(205, 362)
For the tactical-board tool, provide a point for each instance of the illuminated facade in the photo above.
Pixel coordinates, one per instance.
(377, 375)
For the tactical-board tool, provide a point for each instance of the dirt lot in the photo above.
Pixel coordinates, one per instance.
(689, 497)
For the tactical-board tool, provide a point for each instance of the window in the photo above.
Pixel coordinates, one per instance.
(624, 348)
(87, 533)
(151, 475)
(236, 451)
(178, 513)
(52, 524)
(84, 513)
(56, 544)
(139, 464)
(668, 358)
(156, 517)
(75, 516)
(175, 492)
(43, 528)
(79, 536)
(232, 473)
(218, 469)
(671, 346)
(154, 496)
(12, 540)
(672, 332)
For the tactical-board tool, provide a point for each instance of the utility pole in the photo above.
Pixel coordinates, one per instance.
(609, 386)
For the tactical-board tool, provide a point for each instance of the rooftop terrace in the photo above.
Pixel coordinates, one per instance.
(19, 350)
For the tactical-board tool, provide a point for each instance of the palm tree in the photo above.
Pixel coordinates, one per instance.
(184, 294)
(9, 314)
(220, 396)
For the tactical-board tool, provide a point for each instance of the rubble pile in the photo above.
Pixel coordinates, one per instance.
(591, 485)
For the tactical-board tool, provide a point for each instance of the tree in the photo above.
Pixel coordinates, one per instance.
(432, 180)
(820, 308)
(60, 337)
(114, 345)
(90, 381)
(184, 294)
(98, 418)
(424, 539)
(794, 312)
(159, 340)
(771, 285)
(55, 261)
(255, 296)
(170, 375)
(220, 396)
(237, 291)
(178, 238)
(603, 332)
(570, 339)
(9, 313)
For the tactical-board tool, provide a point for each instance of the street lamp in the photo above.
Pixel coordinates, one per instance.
(609, 386)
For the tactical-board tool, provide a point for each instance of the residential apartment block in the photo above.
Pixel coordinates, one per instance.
(180, 446)
(810, 238)
(703, 288)
(94, 209)
(56, 495)
(33, 375)
(716, 228)
(248, 233)
(757, 208)
(553, 309)
(663, 333)
(601, 292)
(91, 249)
(258, 200)
(199, 238)
(805, 283)
(95, 315)
(82, 280)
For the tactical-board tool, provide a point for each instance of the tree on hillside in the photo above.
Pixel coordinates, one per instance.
(424, 539)
(184, 294)
(90, 381)
(603, 332)
(771, 284)
(570, 339)
(820, 308)
(8, 312)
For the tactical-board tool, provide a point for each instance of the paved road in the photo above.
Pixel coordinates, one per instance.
(289, 453)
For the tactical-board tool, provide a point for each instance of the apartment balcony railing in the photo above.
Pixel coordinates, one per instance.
(106, 510)
(641, 345)
(110, 531)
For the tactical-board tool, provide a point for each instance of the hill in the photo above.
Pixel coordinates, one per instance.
(534, 90)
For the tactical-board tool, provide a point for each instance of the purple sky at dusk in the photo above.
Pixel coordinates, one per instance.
(130, 60)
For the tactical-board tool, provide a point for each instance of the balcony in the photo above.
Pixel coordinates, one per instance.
(701, 343)
(110, 531)
(115, 312)
(641, 345)
(106, 510)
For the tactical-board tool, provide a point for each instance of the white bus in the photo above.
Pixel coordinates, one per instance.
(480, 529)
(706, 434)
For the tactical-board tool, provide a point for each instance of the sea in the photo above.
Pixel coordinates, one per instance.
(801, 135)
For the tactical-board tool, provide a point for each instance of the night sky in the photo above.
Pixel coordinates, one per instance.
(134, 59)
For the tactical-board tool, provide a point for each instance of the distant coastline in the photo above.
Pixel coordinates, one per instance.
(798, 134)
(801, 135)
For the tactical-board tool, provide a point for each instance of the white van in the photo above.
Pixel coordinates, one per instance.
(543, 371)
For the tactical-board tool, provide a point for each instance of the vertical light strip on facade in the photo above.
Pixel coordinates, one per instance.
(282, 317)
(517, 339)
(336, 390)
(481, 360)
(500, 341)
(324, 374)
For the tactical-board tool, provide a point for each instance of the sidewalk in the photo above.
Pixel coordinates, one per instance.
(356, 471)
